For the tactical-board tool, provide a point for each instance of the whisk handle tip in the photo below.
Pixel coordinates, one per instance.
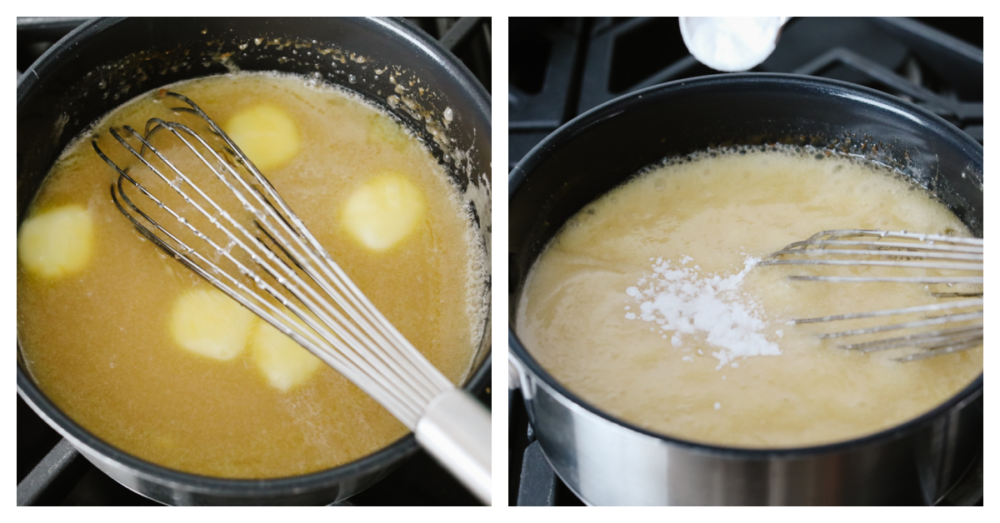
(456, 430)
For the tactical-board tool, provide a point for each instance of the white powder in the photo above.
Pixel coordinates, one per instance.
(718, 406)
(731, 43)
(681, 300)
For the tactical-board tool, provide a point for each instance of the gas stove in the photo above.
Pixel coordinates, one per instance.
(51, 472)
(562, 67)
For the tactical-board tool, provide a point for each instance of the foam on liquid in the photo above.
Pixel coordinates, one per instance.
(98, 343)
(643, 306)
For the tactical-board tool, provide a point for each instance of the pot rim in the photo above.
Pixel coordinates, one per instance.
(185, 481)
(825, 86)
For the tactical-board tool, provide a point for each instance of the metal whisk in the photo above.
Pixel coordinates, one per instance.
(277, 269)
(958, 260)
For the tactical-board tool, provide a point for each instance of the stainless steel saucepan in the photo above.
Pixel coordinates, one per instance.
(607, 461)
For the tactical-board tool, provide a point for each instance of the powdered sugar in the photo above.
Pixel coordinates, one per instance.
(682, 300)
(731, 43)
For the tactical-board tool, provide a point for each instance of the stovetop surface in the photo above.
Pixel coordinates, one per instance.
(418, 481)
(562, 67)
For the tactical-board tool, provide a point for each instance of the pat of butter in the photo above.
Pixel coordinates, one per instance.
(283, 362)
(384, 211)
(210, 323)
(56, 243)
(266, 134)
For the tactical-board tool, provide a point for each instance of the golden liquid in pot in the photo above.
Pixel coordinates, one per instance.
(713, 212)
(98, 343)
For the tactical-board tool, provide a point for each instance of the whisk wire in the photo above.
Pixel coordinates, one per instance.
(950, 349)
(880, 263)
(333, 271)
(344, 283)
(398, 403)
(368, 328)
(296, 286)
(893, 312)
(932, 338)
(936, 320)
(873, 247)
(954, 332)
(939, 254)
(835, 234)
(306, 338)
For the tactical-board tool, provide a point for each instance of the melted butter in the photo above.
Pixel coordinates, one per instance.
(719, 210)
(99, 343)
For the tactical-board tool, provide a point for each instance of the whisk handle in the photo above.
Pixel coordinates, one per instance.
(455, 429)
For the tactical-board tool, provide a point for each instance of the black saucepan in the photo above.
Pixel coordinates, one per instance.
(609, 461)
(106, 62)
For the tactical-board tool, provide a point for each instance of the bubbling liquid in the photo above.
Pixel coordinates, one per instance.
(99, 341)
(643, 303)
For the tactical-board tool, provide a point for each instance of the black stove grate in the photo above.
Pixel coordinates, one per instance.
(562, 67)
(52, 472)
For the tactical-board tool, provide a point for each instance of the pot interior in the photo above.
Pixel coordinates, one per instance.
(605, 147)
